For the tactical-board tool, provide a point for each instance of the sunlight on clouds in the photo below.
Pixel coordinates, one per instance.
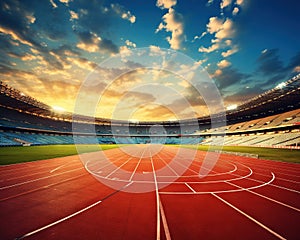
(173, 22)
(224, 64)
(120, 11)
(166, 3)
(231, 51)
(15, 36)
(225, 3)
(235, 11)
(73, 15)
(297, 69)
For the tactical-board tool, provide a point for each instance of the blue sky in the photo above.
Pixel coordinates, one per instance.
(49, 47)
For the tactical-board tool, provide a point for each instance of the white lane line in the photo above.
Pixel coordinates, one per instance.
(164, 221)
(42, 188)
(288, 189)
(223, 191)
(263, 196)
(157, 201)
(249, 217)
(190, 188)
(137, 165)
(38, 179)
(70, 216)
(60, 220)
(176, 174)
(107, 176)
(61, 166)
(28, 175)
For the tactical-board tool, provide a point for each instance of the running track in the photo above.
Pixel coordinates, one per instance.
(241, 198)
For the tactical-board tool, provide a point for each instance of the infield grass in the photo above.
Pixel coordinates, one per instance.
(9, 155)
(279, 154)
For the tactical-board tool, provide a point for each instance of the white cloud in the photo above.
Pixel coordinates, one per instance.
(199, 37)
(235, 11)
(230, 51)
(227, 30)
(223, 31)
(65, 1)
(225, 3)
(214, 25)
(130, 44)
(119, 10)
(173, 22)
(239, 2)
(73, 15)
(210, 2)
(53, 4)
(224, 64)
(297, 69)
(166, 3)
(209, 49)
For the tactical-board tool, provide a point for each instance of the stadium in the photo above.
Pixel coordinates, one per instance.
(159, 120)
(36, 189)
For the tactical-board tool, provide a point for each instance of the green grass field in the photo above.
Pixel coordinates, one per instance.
(9, 155)
(286, 155)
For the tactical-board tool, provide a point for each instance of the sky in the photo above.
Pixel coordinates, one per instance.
(49, 48)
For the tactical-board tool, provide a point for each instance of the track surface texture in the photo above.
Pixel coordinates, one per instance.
(141, 192)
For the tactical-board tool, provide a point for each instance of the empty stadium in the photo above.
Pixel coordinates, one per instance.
(153, 120)
(27, 122)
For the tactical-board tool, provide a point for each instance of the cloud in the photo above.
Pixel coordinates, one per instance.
(166, 3)
(269, 62)
(130, 44)
(229, 76)
(210, 2)
(225, 3)
(294, 63)
(173, 22)
(73, 15)
(90, 42)
(231, 51)
(212, 48)
(223, 31)
(296, 69)
(214, 25)
(239, 2)
(226, 31)
(53, 4)
(235, 11)
(120, 11)
(223, 63)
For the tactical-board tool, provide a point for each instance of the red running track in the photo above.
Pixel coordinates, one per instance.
(150, 192)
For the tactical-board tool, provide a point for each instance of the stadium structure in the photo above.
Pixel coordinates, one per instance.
(271, 119)
(138, 190)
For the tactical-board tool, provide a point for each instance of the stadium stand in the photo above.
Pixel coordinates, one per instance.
(270, 119)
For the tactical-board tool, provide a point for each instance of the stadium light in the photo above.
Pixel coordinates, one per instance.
(232, 107)
(58, 109)
(134, 121)
(281, 85)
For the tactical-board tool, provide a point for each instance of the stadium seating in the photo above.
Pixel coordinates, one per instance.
(270, 119)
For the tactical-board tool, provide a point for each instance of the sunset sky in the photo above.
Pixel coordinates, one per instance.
(49, 47)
